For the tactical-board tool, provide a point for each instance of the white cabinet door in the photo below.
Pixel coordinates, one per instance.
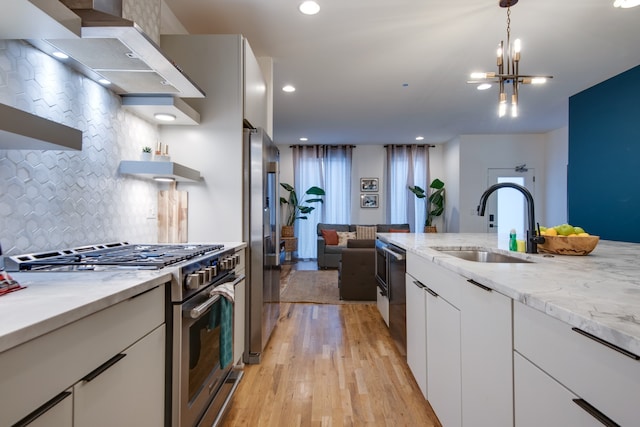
(238, 321)
(417, 331)
(443, 360)
(129, 392)
(255, 89)
(542, 401)
(487, 352)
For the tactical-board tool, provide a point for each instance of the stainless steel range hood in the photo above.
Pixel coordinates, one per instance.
(116, 49)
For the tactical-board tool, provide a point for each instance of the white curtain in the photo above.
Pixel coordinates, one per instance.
(406, 165)
(327, 167)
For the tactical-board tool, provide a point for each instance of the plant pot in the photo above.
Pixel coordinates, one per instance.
(287, 231)
(145, 157)
(290, 244)
(430, 229)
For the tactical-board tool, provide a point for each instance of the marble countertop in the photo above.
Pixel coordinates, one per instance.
(54, 299)
(598, 293)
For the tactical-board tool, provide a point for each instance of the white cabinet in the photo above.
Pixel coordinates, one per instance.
(443, 359)
(542, 401)
(417, 331)
(443, 349)
(128, 390)
(605, 379)
(469, 345)
(131, 392)
(255, 89)
(487, 351)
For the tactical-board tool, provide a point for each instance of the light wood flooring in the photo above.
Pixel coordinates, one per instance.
(329, 365)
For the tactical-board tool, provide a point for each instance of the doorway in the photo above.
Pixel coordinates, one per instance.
(507, 208)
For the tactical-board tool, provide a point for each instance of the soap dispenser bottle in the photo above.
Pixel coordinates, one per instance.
(513, 244)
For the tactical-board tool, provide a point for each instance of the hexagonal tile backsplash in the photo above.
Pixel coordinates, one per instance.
(56, 199)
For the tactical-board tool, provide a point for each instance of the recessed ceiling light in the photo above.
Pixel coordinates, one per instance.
(303, 139)
(164, 117)
(483, 86)
(60, 55)
(309, 7)
(288, 88)
(104, 81)
(419, 138)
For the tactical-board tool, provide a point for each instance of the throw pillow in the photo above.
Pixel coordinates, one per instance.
(330, 236)
(343, 236)
(398, 230)
(365, 232)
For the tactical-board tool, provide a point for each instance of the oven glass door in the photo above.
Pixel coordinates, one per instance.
(200, 373)
(381, 268)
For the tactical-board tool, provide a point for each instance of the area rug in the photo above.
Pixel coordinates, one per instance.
(313, 286)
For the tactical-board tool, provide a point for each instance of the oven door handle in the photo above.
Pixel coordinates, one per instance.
(197, 311)
(396, 255)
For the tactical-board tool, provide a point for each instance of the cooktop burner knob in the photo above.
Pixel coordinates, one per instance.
(203, 277)
(193, 281)
(211, 273)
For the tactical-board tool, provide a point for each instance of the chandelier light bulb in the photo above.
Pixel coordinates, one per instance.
(502, 109)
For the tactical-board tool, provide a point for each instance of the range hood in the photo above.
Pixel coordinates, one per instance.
(117, 50)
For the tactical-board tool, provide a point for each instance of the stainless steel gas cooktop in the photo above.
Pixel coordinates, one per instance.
(109, 256)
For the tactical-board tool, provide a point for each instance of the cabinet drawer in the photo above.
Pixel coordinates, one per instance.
(541, 401)
(605, 378)
(43, 367)
(445, 283)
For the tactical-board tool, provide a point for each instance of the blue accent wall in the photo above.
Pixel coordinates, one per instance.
(603, 182)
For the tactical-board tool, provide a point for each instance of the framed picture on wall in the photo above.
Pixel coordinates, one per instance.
(368, 200)
(369, 185)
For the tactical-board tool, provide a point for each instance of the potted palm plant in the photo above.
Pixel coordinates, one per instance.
(296, 208)
(434, 202)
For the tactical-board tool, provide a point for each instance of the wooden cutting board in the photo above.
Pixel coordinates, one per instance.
(172, 215)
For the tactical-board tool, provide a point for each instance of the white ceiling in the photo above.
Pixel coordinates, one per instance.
(349, 62)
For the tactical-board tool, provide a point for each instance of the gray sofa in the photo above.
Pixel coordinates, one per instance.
(329, 256)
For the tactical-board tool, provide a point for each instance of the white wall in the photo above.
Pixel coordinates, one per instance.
(557, 161)
(478, 153)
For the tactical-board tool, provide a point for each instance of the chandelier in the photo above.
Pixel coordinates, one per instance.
(508, 75)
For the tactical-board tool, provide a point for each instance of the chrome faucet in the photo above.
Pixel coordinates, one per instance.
(533, 238)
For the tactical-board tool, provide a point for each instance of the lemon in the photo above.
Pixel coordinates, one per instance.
(583, 234)
(550, 232)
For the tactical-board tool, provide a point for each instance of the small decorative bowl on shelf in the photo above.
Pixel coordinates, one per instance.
(569, 245)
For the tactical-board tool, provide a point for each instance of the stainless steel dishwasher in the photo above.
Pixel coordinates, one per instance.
(392, 279)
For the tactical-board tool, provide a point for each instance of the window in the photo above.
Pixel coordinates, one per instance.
(407, 165)
(327, 167)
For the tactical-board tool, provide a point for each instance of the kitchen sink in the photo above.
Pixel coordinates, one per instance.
(481, 255)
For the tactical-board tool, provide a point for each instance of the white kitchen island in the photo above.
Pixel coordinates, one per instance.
(551, 342)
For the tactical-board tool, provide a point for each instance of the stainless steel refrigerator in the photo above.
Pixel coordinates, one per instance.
(262, 234)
